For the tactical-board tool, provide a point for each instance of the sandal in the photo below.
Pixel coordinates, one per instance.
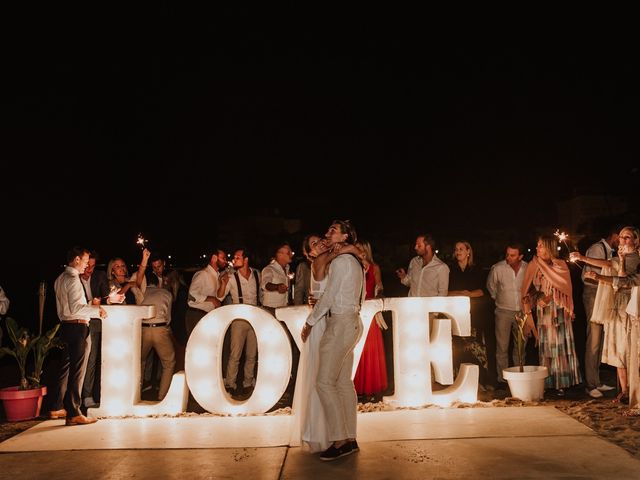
(622, 397)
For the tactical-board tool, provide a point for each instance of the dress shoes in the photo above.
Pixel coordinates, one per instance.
(80, 420)
(605, 388)
(55, 414)
(595, 393)
(333, 452)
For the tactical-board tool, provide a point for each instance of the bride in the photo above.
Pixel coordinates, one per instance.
(306, 406)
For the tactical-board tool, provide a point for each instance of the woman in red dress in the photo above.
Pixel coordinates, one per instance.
(371, 376)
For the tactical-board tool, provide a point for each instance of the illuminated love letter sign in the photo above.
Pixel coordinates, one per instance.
(120, 366)
(203, 360)
(419, 344)
(417, 347)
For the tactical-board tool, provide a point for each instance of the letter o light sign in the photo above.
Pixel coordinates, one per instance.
(204, 359)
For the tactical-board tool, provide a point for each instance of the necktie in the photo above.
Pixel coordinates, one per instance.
(83, 290)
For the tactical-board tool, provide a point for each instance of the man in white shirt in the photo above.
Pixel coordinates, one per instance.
(274, 284)
(275, 279)
(74, 313)
(504, 284)
(244, 286)
(340, 303)
(428, 276)
(602, 249)
(156, 332)
(203, 290)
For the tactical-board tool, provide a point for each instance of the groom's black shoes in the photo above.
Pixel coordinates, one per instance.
(333, 453)
(354, 446)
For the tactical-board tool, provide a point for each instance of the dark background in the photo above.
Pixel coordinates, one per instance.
(391, 118)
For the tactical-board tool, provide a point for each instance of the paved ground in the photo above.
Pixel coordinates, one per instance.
(517, 442)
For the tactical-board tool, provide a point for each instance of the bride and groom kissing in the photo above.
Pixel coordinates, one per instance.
(327, 406)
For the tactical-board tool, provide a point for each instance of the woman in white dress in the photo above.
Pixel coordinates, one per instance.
(307, 407)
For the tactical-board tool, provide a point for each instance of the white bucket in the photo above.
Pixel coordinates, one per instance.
(527, 385)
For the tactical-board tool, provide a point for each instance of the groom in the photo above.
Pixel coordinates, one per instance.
(341, 303)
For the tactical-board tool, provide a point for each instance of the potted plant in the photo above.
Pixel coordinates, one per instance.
(526, 382)
(23, 402)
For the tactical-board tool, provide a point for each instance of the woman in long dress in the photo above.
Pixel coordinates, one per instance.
(371, 375)
(547, 287)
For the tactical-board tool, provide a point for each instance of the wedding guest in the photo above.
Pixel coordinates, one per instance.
(74, 313)
(467, 279)
(623, 282)
(275, 279)
(96, 285)
(504, 285)
(303, 276)
(203, 290)
(427, 276)
(243, 283)
(547, 288)
(156, 332)
(371, 375)
(610, 305)
(603, 250)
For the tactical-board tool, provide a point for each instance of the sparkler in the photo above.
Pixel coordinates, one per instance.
(562, 237)
(291, 276)
(230, 267)
(114, 297)
(142, 241)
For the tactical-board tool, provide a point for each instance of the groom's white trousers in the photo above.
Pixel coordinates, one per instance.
(335, 387)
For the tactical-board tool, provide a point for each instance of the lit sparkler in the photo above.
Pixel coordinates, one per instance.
(562, 237)
(114, 297)
(291, 276)
(142, 241)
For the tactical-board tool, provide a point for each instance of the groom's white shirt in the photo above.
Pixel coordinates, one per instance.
(343, 292)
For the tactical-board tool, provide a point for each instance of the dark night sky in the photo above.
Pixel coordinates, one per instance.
(264, 116)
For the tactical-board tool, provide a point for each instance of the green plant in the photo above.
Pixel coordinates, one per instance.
(23, 343)
(41, 346)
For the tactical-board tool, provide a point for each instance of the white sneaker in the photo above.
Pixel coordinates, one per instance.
(595, 393)
(605, 388)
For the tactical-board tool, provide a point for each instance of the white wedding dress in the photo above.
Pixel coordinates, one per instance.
(307, 407)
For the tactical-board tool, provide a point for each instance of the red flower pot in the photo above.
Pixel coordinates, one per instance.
(22, 404)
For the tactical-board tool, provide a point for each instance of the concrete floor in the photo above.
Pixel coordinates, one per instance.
(523, 443)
